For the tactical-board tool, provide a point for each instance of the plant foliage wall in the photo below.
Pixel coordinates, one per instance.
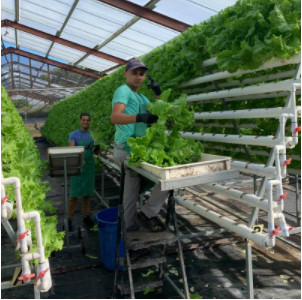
(21, 158)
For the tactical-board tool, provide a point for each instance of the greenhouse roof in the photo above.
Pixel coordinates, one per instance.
(86, 38)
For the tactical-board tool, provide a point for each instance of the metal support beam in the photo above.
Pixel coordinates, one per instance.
(32, 96)
(49, 61)
(147, 14)
(11, 69)
(48, 89)
(30, 74)
(17, 18)
(50, 37)
(17, 10)
(249, 270)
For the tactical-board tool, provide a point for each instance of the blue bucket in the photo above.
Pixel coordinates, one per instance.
(107, 225)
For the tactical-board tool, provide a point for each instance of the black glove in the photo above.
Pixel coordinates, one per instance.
(153, 85)
(146, 118)
(96, 149)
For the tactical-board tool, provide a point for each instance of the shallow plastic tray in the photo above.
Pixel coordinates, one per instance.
(208, 163)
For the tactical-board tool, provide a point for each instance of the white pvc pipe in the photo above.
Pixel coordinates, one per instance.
(243, 114)
(279, 86)
(256, 97)
(36, 217)
(240, 229)
(282, 120)
(256, 169)
(20, 221)
(284, 227)
(44, 283)
(222, 75)
(255, 152)
(267, 141)
(6, 207)
(209, 62)
(280, 171)
(271, 221)
(249, 199)
(234, 83)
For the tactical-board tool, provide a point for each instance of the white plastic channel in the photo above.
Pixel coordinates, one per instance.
(256, 169)
(221, 75)
(279, 86)
(244, 114)
(233, 83)
(267, 141)
(240, 229)
(249, 199)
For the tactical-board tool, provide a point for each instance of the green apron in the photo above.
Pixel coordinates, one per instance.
(82, 185)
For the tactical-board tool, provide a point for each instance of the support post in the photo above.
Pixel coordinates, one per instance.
(181, 258)
(249, 270)
(298, 201)
(66, 204)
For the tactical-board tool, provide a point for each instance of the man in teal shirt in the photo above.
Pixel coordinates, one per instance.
(131, 118)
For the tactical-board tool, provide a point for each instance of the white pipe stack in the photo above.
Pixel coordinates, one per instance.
(267, 141)
(24, 243)
(249, 199)
(222, 75)
(260, 239)
(280, 86)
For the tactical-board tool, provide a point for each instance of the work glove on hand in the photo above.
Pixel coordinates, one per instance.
(153, 85)
(146, 118)
(96, 149)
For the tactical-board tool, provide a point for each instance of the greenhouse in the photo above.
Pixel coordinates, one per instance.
(151, 149)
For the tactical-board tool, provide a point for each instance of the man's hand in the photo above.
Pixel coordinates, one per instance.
(153, 85)
(146, 118)
(97, 150)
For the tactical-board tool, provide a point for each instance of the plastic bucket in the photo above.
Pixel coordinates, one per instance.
(107, 226)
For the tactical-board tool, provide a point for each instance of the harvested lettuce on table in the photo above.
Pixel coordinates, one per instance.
(162, 148)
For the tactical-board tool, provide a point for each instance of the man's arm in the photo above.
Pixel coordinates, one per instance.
(118, 117)
(71, 143)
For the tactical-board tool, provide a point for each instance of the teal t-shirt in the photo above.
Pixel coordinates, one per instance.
(135, 103)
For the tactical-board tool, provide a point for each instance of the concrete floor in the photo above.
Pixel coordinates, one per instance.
(215, 265)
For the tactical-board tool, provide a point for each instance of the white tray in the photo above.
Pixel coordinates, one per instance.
(208, 163)
(74, 157)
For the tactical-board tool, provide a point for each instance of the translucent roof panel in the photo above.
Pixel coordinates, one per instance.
(98, 64)
(191, 11)
(84, 34)
(105, 12)
(47, 16)
(139, 2)
(66, 53)
(32, 42)
(149, 28)
(121, 51)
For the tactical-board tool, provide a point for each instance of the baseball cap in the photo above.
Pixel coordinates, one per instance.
(134, 63)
